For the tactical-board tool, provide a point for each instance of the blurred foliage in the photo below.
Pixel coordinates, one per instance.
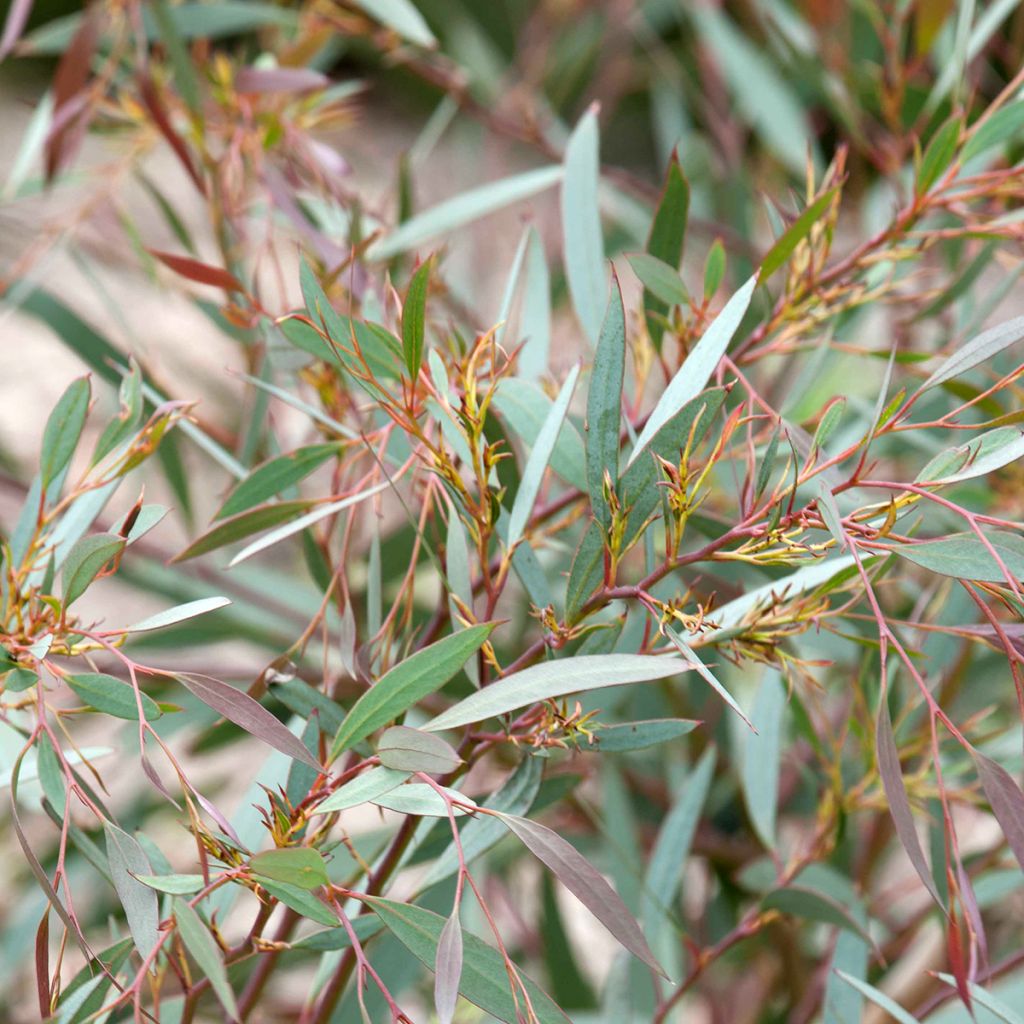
(694, 564)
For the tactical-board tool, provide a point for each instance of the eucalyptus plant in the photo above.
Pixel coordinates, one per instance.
(647, 647)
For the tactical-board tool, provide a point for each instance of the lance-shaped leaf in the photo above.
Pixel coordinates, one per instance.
(111, 696)
(244, 524)
(624, 736)
(85, 560)
(403, 17)
(274, 476)
(301, 900)
(407, 683)
(201, 273)
(304, 522)
(484, 980)
(787, 242)
(175, 885)
(581, 225)
(698, 366)
(665, 245)
(977, 351)
(127, 859)
(1006, 800)
(412, 750)
(414, 319)
(899, 803)
(880, 999)
(420, 799)
(985, 998)
(802, 901)
(365, 788)
(179, 613)
(462, 209)
(694, 661)
(448, 969)
(604, 406)
(761, 756)
(966, 556)
(63, 429)
(535, 311)
(556, 679)
(247, 714)
(1000, 127)
(662, 283)
(586, 571)
(300, 866)
(980, 456)
(537, 463)
(579, 876)
(199, 942)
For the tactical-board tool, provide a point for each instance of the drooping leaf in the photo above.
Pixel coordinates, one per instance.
(247, 714)
(63, 429)
(463, 209)
(274, 476)
(581, 226)
(111, 696)
(880, 999)
(202, 273)
(85, 560)
(448, 969)
(762, 752)
(576, 873)
(899, 803)
(301, 900)
(556, 679)
(698, 366)
(484, 979)
(127, 859)
(200, 944)
(414, 319)
(693, 660)
(604, 406)
(537, 463)
(1006, 800)
(624, 736)
(244, 524)
(301, 866)
(407, 683)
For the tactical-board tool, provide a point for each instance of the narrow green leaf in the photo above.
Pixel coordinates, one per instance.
(484, 979)
(1001, 127)
(604, 406)
(583, 246)
(714, 269)
(127, 860)
(985, 998)
(880, 999)
(535, 311)
(462, 209)
(609, 739)
(407, 683)
(980, 456)
(586, 572)
(401, 16)
(665, 243)
(964, 556)
(698, 366)
(85, 560)
(301, 900)
(244, 524)
(762, 752)
(537, 463)
(300, 866)
(199, 942)
(111, 696)
(414, 313)
(977, 351)
(176, 885)
(362, 789)
(786, 244)
(63, 429)
(555, 679)
(661, 281)
(939, 154)
(693, 660)
(274, 476)
(802, 901)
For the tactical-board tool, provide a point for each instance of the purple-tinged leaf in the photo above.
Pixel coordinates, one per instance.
(899, 803)
(448, 969)
(1006, 800)
(247, 714)
(580, 877)
(264, 81)
(14, 25)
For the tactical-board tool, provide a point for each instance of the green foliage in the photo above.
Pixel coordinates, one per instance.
(693, 564)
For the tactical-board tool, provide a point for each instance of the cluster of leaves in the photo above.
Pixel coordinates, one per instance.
(707, 600)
